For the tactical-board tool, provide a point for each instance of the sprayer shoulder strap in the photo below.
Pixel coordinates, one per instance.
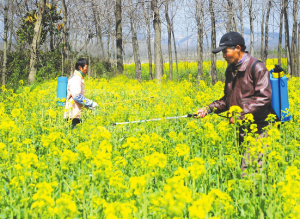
(253, 68)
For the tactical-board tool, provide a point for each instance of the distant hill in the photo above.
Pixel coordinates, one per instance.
(181, 41)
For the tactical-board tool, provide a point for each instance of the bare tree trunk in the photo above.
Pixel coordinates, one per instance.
(200, 24)
(175, 50)
(207, 42)
(89, 54)
(135, 45)
(109, 37)
(98, 32)
(51, 41)
(213, 43)
(76, 39)
(287, 40)
(51, 33)
(11, 31)
(234, 20)
(280, 34)
(187, 47)
(112, 51)
(119, 36)
(108, 40)
(251, 29)
(273, 24)
(257, 34)
(208, 53)
(6, 6)
(229, 18)
(158, 60)
(262, 32)
(298, 52)
(231, 21)
(294, 38)
(36, 41)
(187, 55)
(9, 43)
(146, 17)
(241, 17)
(87, 40)
(169, 40)
(65, 32)
(267, 32)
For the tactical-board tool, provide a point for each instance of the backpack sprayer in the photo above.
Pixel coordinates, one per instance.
(62, 83)
(280, 98)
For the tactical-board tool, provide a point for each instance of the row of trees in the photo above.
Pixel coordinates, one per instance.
(68, 28)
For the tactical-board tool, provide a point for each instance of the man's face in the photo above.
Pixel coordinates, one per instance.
(85, 69)
(231, 55)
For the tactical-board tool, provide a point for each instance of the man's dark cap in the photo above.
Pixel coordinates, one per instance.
(230, 39)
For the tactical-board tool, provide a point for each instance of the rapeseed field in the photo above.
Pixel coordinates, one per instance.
(178, 168)
(187, 70)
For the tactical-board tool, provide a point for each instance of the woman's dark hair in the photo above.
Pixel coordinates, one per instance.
(81, 62)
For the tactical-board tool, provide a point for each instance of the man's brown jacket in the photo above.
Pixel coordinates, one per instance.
(250, 92)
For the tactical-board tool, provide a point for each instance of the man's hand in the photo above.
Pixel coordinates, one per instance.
(202, 112)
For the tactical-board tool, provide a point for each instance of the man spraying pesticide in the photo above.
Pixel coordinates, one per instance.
(75, 93)
(247, 85)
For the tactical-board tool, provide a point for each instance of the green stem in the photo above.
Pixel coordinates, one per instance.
(25, 205)
(145, 212)
(19, 213)
(194, 188)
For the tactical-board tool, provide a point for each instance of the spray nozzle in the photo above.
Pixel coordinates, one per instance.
(278, 68)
